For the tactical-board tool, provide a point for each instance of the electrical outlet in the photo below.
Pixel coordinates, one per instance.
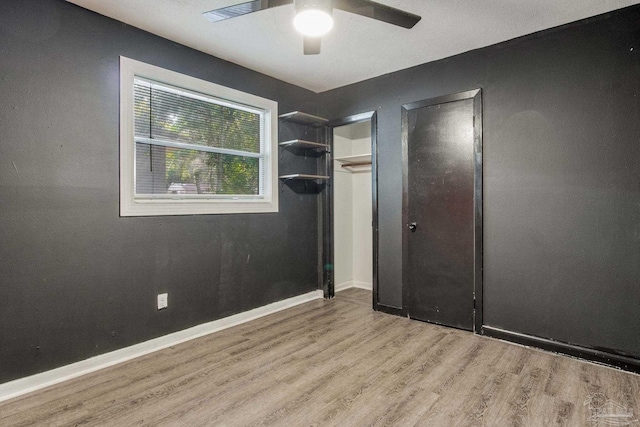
(163, 301)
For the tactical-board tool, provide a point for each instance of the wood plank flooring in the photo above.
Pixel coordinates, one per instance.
(335, 363)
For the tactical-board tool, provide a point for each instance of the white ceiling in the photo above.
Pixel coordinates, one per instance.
(357, 48)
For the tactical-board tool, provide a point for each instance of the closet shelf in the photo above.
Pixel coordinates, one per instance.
(303, 118)
(304, 145)
(358, 160)
(302, 176)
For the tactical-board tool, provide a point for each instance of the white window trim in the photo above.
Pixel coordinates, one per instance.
(150, 206)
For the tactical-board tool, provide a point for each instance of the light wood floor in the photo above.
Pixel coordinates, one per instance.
(333, 363)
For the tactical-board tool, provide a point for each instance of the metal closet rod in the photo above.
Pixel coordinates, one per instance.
(352, 164)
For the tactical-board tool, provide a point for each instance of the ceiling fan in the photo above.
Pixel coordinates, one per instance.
(313, 17)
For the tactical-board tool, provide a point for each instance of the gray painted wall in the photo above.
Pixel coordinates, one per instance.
(561, 176)
(76, 280)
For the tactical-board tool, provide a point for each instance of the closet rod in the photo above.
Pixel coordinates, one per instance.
(348, 165)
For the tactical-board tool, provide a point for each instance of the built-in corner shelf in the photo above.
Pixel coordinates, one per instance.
(303, 176)
(304, 145)
(303, 119)
(356, 162)
(302, 182)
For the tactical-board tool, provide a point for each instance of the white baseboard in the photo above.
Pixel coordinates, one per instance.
(342, 286)
(45, 379)
(363, 285)
(353, 284)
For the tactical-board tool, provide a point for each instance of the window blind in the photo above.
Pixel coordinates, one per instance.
(193, 145)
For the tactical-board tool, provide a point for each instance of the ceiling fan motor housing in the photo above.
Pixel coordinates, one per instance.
(323, 5)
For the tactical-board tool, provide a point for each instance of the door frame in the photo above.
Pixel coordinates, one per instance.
(328, 258)
(476, 96)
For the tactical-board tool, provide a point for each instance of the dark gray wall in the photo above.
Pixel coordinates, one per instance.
(76, 280)
(561, 176)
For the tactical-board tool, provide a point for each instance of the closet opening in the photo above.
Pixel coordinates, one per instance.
(352, 205)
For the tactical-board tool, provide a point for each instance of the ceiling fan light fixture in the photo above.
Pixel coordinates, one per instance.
(313, 17)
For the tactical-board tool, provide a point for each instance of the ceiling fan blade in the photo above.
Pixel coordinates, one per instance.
(378, 11)
(311, 45)
(243, 9)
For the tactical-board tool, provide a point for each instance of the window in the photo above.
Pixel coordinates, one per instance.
(188, 146)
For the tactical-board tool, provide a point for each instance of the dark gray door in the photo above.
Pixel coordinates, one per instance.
(441, 207)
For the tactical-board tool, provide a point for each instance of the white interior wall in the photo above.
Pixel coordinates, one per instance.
(353, 243)
(361, 220)
(343, 217)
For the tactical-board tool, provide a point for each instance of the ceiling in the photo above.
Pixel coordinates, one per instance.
(357, 48)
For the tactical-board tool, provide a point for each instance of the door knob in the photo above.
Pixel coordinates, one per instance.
(412, 226)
